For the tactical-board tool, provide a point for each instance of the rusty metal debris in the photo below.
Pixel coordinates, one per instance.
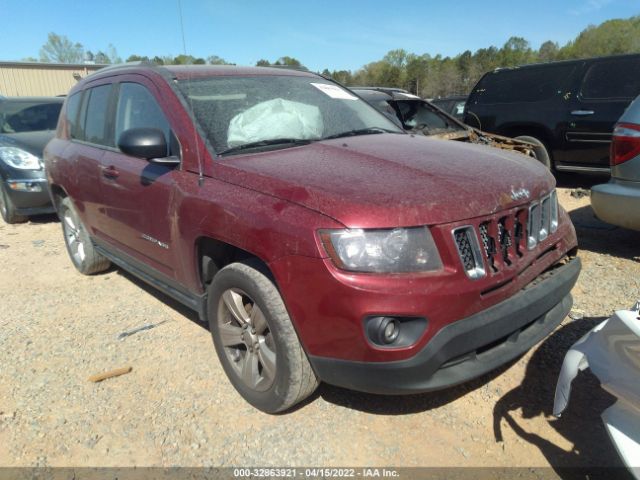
(473, 135)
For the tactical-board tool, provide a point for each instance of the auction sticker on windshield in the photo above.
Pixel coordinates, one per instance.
(334, 91)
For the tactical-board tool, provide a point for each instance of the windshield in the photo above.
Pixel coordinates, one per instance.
(28, 117)
(277, 111)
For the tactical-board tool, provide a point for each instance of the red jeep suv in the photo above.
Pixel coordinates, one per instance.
(319, 241)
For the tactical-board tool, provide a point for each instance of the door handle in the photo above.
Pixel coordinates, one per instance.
(582, 113)
(110, 172)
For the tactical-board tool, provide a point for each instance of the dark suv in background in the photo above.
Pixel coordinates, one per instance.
(567, 108)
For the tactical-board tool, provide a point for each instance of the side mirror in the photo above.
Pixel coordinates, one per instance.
(147, 143)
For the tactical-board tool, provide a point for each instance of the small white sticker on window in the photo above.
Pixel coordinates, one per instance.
(334, 91)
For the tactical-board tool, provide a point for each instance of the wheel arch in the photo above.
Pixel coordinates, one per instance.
(536, 130)
(212, 255)
(57, 195)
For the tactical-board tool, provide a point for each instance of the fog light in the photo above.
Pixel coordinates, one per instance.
(25, 186)
(390, 329)
(394, 332)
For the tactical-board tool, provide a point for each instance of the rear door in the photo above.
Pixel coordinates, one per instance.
(138, 193)
(86, 150)
(607, 88)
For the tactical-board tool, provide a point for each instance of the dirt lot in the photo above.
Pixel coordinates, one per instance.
(177, 408)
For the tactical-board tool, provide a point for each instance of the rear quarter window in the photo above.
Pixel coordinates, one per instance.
(523, 84)
(72, 113)
(612, 79)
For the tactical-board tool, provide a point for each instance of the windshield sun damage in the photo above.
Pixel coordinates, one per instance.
(239, 113)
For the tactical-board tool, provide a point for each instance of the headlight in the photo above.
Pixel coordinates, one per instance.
(398, 250)
(18, 158)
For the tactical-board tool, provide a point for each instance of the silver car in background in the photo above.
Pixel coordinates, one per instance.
(618, 202)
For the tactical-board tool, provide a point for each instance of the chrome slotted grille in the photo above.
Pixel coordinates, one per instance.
(500, 241)
(543, 219)
(469, 251)
(464, 247)
(504, 237)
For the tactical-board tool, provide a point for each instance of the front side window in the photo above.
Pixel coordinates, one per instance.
(137, 108)
(236, 111)
(95, 127)
(524, 84)
(611, 79)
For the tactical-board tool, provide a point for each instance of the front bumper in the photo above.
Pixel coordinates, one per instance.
(469, 347)
(617, 203)
(30, 196)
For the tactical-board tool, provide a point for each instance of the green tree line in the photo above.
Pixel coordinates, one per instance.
(426, 75)
(437, 76)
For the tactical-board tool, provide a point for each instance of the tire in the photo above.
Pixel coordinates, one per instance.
(8, 209)
(81, 251)
(263, 358)
(540, 151)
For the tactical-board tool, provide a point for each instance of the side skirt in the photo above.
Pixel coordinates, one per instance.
(195, 302)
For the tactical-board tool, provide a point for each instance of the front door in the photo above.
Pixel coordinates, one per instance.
(607, 88)
(138, 193)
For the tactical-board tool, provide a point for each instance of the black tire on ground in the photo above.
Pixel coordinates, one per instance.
(540, 151)
(294, 379)
(81, 251)
(8, 209)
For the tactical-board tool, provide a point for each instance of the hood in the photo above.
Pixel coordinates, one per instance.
(32, 142)
(387, 180)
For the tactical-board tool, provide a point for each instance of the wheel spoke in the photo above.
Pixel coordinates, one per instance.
(233, 301)
(267, 358)
(74, 245)
(258, 321)
(230, 335)
(80, 250)
(250, 369)
(69, 222)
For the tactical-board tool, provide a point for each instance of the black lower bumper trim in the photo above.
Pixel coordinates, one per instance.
(36, 210)
(469, 347)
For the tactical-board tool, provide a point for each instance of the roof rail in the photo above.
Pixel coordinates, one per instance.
(117, 66)
(300, 68)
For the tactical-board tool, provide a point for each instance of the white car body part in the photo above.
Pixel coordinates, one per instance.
(612, 351)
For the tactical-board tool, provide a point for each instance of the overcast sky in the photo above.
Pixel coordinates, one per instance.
(332, 34)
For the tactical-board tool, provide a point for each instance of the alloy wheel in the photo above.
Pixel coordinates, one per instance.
(3, 205)
(73, 238)
(247, 340)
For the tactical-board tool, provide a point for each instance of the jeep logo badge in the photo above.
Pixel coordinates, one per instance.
(520, 194)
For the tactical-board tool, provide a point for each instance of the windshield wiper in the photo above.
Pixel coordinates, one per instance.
(359, 131)
(266, 143)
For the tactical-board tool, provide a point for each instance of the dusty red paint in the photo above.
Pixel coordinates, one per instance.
(272, 204)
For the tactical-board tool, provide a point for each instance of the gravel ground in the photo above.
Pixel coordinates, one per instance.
(176, 407)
